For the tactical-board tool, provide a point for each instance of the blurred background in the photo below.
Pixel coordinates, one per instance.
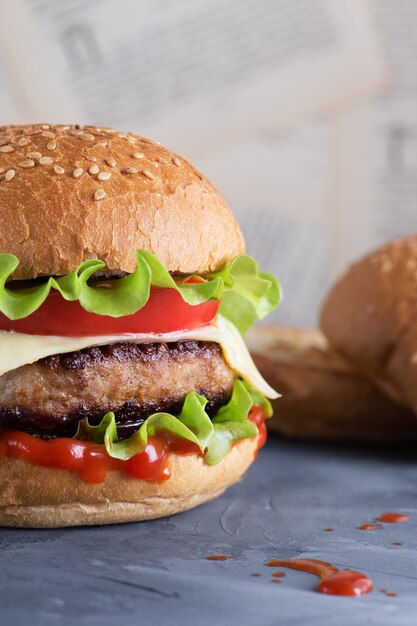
(302, 112)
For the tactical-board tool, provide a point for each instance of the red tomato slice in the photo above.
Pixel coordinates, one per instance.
(165, 312)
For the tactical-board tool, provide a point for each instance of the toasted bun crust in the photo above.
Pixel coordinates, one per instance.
(370, 317)
(322, 396)
(59, 209)
(40, 497)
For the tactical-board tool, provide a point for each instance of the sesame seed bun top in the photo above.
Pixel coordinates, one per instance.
(70, 193)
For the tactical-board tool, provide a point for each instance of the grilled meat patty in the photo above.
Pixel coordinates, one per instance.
(49, 397)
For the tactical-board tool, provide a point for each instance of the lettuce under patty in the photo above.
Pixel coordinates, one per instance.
(245, 293)
(214, 437)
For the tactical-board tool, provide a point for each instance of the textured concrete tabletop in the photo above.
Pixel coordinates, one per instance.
(157, 572)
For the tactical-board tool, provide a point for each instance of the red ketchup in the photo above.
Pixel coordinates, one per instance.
(394, 518)
(333, 581)
(218, 557)
(370, 527)
(91, 461)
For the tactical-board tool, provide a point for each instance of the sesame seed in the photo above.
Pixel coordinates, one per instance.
(2, 170)
(78, 172)
(92, 158)
(104, 175)
(51, 145)
(102, 143)
(130, 170)
(138, 155)
(99, 194)
(45, 126)
(48, 134)
(28, 163)
(7, 148)
(23, 141)
(77, 133)
(148, 174)
(111, 162)
(9, 175)
(177, 162)
(94, 169)
(131, 139)
(58, 169)
(34, 155)
(46, 160)
(87, 137)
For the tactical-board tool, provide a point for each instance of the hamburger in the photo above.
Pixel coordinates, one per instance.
(127, 392)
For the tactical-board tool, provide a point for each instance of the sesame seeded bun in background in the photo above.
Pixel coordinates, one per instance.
(370, 318)
(71, 193)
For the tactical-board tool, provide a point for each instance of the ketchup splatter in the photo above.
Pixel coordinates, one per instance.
(329, 530)
(393, 518)
(218, 557)
(390, 594)
(370, 526)
(91, 461)
(332, 580)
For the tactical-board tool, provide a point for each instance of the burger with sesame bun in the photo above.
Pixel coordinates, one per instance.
(127, 392)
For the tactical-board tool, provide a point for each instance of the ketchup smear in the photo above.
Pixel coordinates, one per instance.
(333, 581)
(370, 526)
(394, 518)
(91, 461)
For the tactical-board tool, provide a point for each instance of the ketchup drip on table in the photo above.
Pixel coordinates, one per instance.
(91, 461)
(393, 518)
(333, 581)
(218, 557)
(390, 594)
(370, 526)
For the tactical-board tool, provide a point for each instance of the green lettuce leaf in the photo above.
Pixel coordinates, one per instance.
(224, 436)
(238, 407)
(213, 437)
(259, 399)
(245, 294)
(248, 294)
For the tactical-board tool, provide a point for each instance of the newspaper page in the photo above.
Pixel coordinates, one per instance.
(330, 191)
(194, 74)
(374, 146)
(266, 97)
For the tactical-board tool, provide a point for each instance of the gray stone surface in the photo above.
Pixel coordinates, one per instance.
(157, 572)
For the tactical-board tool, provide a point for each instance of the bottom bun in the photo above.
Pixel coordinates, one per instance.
(323, 397)
(32, 496)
